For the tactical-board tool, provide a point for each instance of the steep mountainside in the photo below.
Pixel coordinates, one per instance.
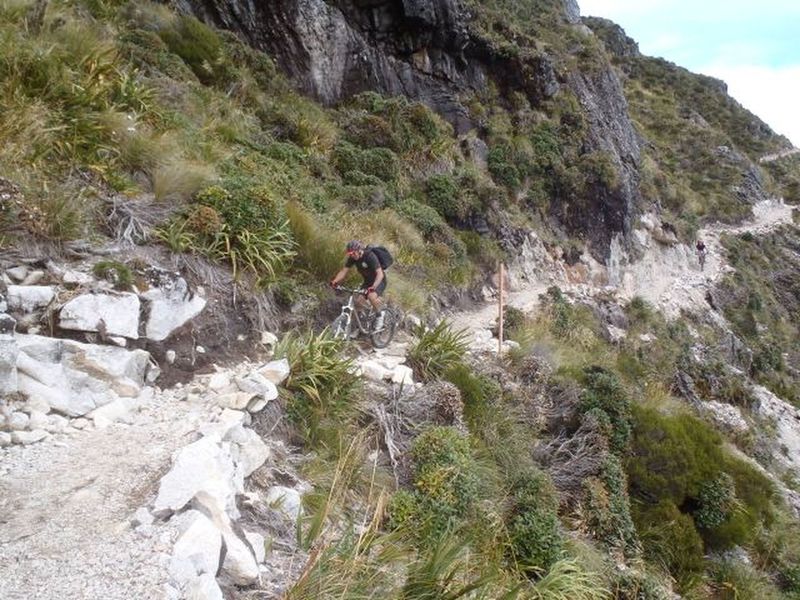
(177, 183)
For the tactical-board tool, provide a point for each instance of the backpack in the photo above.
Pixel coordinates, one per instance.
(385, 257)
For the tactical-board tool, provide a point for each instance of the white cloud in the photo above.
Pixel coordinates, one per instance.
(769, 92)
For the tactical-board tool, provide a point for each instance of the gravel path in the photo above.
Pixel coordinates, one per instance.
(66, 505)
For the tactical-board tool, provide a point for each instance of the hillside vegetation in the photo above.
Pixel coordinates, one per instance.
(573, 468)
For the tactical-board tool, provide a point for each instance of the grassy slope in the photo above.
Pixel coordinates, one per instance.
(101, 98)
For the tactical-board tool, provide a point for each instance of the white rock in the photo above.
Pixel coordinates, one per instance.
(197, 550)
(170, 356)
(75, 378)
(141, 517)
(17, 421)
(253, 452)
(204, 587)
(29, 298)
(240, 561)
(114, 314)
(33, 278)
(269, 339)
(204, 466)
(287, 500)
(219, 381)
(38, 420)
(73, 278)
(200, 350)
(228, 422)
(57, 423)
(171, 306)
(28, 437)
(374, 371)
(403, 375)
(18, 273)
(79, 423)
(256, 383)
(276, 371)
(256, 541)
(235, 400)
(257, 404)
(5, 439)
(119, 410)
(9, 351)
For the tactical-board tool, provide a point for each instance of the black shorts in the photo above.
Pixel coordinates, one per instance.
(378, 290)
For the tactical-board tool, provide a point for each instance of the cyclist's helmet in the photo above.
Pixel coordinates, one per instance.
(354, 246)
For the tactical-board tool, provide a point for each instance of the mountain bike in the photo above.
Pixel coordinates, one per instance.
(356, 321)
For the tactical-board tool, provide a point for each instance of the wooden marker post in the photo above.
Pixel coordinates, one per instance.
(500, 313)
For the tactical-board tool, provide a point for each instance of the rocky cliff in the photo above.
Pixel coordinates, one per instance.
(431, 50)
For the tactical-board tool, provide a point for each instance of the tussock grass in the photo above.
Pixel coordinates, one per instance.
(179, 180)
(437, 350)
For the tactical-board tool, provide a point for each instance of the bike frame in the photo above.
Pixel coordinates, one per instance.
(350, 310)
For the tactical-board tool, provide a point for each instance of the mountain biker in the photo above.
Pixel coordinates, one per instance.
(701, 252)
(369, 267)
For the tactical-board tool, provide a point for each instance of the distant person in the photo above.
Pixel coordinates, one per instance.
(701, 253)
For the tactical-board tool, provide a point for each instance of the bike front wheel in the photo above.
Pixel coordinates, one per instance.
(339, 327)
(382, 337)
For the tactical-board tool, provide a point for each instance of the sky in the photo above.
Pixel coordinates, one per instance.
(753, 46)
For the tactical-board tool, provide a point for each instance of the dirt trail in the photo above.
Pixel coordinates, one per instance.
(66, 504)
(778, 155)
(668, 277)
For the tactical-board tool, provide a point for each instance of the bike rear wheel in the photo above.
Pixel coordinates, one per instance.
(382, 338)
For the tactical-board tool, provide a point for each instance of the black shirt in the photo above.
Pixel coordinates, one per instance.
(367, 266)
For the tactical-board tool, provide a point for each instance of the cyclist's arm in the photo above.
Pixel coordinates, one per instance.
(378, 277)
(340, 276)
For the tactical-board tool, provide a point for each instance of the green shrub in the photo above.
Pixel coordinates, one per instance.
(446, 483)
(502, 166)
(604, 391)
(478, 392)
(635, 585)
(114, 272)
(443, 195)
(533, 526)
(437, 350)
(669, 539)
(378, 162)
(607, 506)
(717, 500)
(321, 383)
(681, 459)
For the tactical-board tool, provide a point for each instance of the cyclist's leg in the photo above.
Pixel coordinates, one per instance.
(374, 297)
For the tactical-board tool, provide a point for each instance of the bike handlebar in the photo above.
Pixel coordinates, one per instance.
(341, 288)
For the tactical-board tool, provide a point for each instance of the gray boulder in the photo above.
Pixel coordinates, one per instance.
(109, 314)
(74, 378)
(27, 299)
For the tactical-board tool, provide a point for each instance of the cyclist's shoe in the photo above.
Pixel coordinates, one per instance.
(379, 321)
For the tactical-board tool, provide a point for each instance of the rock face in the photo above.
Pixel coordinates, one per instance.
(427, 50)
(610, 133)
(421, 49)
